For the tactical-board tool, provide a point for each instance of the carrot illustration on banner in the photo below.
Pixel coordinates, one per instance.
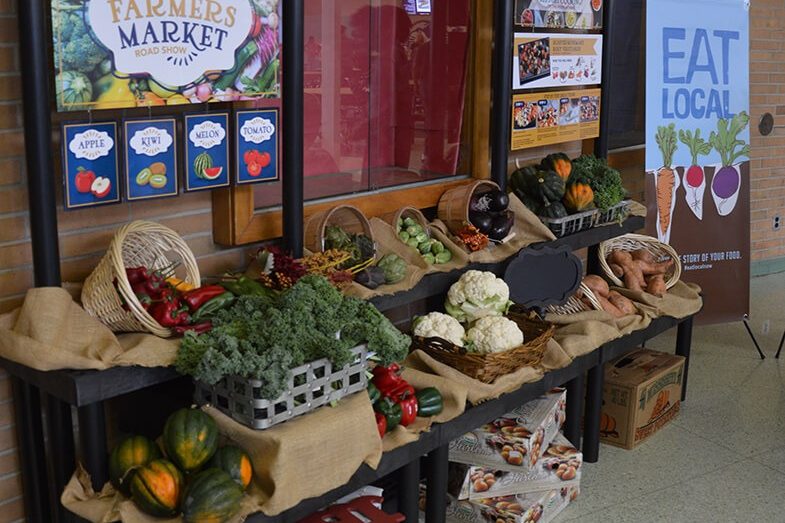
(666, 181)
(727, 180)
(694, 176)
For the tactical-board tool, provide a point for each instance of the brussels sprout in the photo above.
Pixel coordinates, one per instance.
(422, 237)
(414, 230)
(437, 247)
(412, 242)
(425, 247)
(404, 236)
(443, 257)
(429, 258)
(400, 224)
(408, 222)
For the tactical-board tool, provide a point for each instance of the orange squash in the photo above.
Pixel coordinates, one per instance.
(579, 197)
(560, 163)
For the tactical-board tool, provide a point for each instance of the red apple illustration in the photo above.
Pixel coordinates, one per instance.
(84, 180)
(101, 187)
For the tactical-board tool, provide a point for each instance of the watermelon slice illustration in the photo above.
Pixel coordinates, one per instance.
(212, 173)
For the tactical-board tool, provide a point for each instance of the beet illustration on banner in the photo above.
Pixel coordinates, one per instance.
(90, 165)
(727, 179)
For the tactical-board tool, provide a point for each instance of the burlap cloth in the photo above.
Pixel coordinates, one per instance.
(528, 229)
(302, 458)
(50, 331)
(477, 391)
(681, 300)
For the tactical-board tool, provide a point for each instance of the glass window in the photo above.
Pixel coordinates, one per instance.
(385, 91)
(628, 81)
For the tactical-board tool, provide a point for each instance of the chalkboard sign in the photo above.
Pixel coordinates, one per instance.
(539, 277)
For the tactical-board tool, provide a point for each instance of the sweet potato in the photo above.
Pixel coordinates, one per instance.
(650, 269)
(656, 285)
(644, 255)
(617, 270)
(610, 308)
(597, 285)
(622, 303)
(633, 275)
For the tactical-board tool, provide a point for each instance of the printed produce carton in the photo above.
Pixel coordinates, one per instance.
(642, 392)
(559, 467)
(534, 507)
(515, 441)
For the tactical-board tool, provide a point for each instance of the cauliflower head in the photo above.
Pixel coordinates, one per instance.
(494, 334)
(439, 325)
(476, 295)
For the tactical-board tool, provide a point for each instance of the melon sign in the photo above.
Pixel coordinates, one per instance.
(131, 53)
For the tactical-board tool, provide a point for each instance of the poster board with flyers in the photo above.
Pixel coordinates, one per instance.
(555, 117)
(543, 60)
(558, 14)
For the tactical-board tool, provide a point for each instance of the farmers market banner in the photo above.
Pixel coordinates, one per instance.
(697, 145)
(111, 54)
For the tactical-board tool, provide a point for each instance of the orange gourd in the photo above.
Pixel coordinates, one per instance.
(559, 163)
(579, 197)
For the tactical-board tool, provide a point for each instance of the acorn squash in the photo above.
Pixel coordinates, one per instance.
(538, 184)
(579, 197)
(156, 488)
(190, 438)
(212, 496)
(554, 210)
(131, 453)
(559, 163)
(235, 462)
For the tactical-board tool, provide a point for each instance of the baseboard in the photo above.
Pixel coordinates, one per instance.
(766, 267)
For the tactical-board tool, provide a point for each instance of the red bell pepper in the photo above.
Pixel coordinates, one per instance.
(409, 408)
(136, 275)
(381, 423)
(387, 378)
(198, 297)
(199, 328)
(168, 313)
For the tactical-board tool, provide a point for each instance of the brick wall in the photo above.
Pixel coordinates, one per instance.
(85, 234)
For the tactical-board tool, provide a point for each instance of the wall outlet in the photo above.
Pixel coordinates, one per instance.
(777, 223)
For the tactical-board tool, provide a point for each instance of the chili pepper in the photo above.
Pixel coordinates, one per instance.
(182, 317)
(387, 378)
(381, 423)
(408, 410)
(429, 402)
(199, 328)
(245, 286)
(211, 307)
(198, 297)
(373, 393)
(392, 412)
(165, 312)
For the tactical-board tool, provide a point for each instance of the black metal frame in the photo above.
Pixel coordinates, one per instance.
(43, 479)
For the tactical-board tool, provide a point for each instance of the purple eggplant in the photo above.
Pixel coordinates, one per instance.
(491, 201)
(501, 226)
(482, 220)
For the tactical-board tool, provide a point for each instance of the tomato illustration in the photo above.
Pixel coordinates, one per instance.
(254, 169)
(264, 159)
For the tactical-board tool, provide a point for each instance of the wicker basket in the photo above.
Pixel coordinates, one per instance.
(349, 218)
(309, 387)
(633, 242)
(575, 305)
(453, 207)
(488, 367)
(138, 244)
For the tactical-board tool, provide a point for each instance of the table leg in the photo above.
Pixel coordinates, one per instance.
(92, 430)
(32, 456)
(572, 426)
(591, 424)
(436, 466)
(683, 346)
(61, 449)
(409, 490)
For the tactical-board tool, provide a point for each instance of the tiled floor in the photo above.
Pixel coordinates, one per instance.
(723, 458)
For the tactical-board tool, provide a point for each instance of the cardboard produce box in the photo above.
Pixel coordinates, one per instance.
(515, 441)
(642, 392)
(559, 467)
(534, 507)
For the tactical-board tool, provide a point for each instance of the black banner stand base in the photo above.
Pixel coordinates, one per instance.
(755, 340)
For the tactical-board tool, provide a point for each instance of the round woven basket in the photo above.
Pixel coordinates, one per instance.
(137, 244)
(633, 242)
(453, 207)
(347, 217)
(488, 367)
(408, 212)
(575, 305)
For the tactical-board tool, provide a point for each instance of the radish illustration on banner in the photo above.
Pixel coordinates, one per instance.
(694, 175)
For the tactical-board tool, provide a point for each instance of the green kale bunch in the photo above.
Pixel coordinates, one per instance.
(604, 180)
(312, 320)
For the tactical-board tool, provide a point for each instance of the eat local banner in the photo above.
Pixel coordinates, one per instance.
(112, 54)
(697, 145)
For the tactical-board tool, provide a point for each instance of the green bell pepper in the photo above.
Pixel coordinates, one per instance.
(429, 402)
(373, 393)
(391, 411)
(211, 307)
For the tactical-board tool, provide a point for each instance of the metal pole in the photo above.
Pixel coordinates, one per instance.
(501, 116)
(293, 20)
(601, 144)
(591, 424)
(572, 426)
(409, 490)
(92, 429)
(683, 347)
(34, 47)
(436, 465)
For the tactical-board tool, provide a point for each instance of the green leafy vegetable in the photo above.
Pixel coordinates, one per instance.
(697, 145)
(254, 339)
(725, 139)
(604, 180)
(666, 140)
